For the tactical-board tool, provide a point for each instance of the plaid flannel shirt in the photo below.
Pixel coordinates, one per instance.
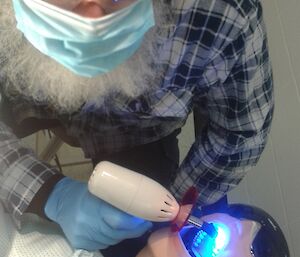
(216, 59)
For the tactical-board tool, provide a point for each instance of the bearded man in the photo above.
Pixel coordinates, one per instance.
(119, 79)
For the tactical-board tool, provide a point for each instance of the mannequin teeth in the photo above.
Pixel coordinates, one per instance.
(201, 238)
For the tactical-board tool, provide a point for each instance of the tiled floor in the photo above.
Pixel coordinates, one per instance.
(71, 159)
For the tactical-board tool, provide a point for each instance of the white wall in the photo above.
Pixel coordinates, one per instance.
(274, 183)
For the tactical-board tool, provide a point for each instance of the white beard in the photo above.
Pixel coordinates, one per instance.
(39, 78)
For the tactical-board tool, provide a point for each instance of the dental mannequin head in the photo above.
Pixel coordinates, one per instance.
(233, 241)
(38, 77)
(243, 230)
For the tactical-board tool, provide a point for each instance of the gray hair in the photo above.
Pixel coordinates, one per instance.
(37, 77)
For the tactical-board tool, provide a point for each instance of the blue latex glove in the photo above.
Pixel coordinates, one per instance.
(88, 222)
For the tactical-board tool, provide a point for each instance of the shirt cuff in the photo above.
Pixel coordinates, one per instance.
(38, 202)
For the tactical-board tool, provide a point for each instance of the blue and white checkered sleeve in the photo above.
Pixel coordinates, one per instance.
(239, 104)
(21, 174)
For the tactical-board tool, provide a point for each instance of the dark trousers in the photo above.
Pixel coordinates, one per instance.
(159, 161)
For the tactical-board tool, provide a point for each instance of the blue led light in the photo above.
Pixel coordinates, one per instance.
(206, 246)
(223, 236)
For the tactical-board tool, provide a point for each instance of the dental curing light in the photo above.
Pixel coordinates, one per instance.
(143, 197)
(240, 230)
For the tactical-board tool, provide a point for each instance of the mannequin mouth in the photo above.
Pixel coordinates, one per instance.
(198, 243)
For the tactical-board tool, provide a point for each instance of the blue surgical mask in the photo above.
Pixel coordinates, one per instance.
(87, 47)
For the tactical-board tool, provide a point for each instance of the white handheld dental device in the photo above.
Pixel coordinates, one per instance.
(137, 194)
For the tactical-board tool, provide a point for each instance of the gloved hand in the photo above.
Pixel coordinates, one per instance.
(88, 222)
